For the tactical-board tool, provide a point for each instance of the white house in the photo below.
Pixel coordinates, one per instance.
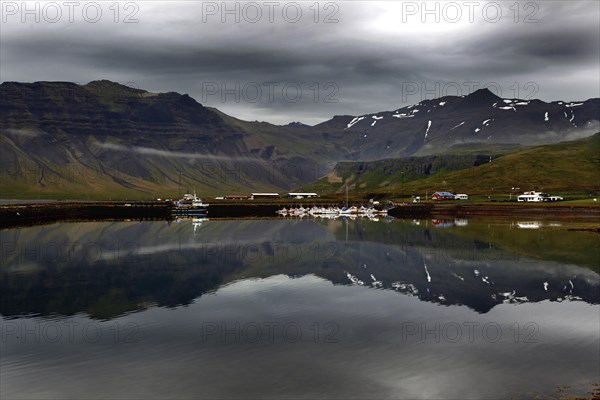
(302, 195)
(532, 196)
(537, 197)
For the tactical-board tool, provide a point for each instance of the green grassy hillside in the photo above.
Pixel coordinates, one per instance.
(563, 168)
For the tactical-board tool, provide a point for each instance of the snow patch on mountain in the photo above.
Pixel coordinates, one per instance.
(572, 118)
(462, 123)
(458, 276)
(354, 121)
(354, 279)
(509, 297)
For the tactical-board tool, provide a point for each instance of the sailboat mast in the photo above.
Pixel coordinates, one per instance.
(346, 196)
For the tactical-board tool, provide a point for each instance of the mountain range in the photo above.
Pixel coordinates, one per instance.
(106, 140)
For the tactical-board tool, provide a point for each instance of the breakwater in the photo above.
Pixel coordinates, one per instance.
(43, 213)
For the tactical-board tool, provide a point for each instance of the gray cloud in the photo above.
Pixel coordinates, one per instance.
(369, 56)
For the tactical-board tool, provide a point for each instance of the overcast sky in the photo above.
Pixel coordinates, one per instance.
(294, 61)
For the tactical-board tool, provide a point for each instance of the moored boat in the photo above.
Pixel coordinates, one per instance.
(190, 205)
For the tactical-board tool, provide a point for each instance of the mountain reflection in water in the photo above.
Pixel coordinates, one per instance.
(298, 309)
(107, 269)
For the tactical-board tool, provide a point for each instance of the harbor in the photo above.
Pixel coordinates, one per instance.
(12, 215)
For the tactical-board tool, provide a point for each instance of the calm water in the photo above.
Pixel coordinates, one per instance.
(299, 309)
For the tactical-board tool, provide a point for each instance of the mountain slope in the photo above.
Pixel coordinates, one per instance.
(566, 167)
(106, 140)
(434, 126)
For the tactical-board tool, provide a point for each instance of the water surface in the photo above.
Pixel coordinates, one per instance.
(299, 309)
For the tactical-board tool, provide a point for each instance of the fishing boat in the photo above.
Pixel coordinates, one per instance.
(190, 205)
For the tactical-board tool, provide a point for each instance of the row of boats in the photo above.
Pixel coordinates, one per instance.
(193, 206)
(331, 212)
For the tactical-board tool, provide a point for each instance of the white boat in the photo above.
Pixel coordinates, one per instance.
(370, 211)
(328, 216)
(529, 225)
(349, 210)
(315, 210)
(190, 205)
(332, 212)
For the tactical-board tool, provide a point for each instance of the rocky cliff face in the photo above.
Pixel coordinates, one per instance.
(104, 137)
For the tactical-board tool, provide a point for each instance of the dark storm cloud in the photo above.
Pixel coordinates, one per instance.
(570, 46)
(370, 55)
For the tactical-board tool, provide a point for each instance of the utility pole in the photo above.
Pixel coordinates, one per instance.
(179, 193)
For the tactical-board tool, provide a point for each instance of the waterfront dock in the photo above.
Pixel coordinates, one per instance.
(12, 215)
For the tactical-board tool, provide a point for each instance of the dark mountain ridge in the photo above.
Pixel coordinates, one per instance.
(434, 126)
(55, 135)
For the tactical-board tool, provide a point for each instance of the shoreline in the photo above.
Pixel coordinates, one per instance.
(516, 210)
(15, 215)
